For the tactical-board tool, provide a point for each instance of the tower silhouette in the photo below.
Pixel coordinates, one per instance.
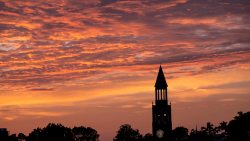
(161, 110)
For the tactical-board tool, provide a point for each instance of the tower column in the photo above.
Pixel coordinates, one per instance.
(162, 121)
(165, 94)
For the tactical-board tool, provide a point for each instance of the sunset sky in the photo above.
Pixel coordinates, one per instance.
(94, 62)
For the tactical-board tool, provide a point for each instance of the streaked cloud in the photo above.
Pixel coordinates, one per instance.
(242, 84)
(67, 52)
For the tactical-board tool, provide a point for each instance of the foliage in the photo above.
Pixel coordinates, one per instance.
(21, 137)
(148, 137)
(85, 134)
(180, 134)
(127, 133)
(237, 129)
(54, 132)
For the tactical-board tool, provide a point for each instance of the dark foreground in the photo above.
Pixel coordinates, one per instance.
(238, 129)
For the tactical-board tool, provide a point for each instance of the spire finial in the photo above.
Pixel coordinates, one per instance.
(161, 81)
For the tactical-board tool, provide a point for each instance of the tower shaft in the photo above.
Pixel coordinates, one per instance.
(161, 110)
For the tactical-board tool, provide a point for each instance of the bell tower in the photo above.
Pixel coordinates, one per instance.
(161, 110)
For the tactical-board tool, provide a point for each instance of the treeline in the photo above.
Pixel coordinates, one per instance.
(56, 132)
(238, 129)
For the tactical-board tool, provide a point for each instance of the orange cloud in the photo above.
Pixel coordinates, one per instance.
(63, 56)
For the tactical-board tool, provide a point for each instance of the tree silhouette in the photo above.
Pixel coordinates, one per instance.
(180, 134)
(221, 130)
(35, 135)
(148, 137)
(239, 128)
(51, 132)
(85, 134)
(57, 132)
(127, 133)
(206, 133)
(13, 137)
(21, 137)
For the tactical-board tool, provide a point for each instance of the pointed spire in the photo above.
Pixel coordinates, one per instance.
(161, 81)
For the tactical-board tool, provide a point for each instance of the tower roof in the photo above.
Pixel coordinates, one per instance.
(161, 81)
